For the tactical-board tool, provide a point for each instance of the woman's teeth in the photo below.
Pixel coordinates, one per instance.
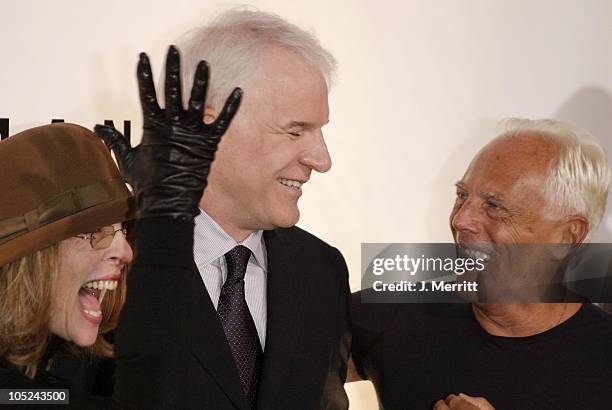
(94, 313)
(102, 284)
(290, 183)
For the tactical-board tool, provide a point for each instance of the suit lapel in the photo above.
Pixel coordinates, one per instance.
(211, 349)
(286, 291)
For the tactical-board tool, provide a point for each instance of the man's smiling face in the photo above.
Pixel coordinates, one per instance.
(501, 205)
(501, 198)
(271, 147)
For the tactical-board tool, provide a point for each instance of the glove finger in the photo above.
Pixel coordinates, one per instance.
(146, 88)
(198, 93)
(230, 108)
(120, 146)
(112, 138)
(172, 89)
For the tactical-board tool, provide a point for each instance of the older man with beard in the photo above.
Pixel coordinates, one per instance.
(539, 182)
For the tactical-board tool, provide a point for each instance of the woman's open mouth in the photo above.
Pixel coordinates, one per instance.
(91, 295)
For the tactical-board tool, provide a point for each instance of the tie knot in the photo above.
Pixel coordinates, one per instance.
(237, 260)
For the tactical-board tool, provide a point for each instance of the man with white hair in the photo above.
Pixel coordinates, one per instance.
(539, 182)
(265, 324)
(295, 285)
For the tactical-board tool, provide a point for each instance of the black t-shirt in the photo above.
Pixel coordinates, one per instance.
(416, 354)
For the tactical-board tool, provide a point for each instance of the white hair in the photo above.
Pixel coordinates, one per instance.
(578, 180)
(232, 43)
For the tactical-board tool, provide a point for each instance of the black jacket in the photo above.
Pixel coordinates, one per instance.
(171, 348)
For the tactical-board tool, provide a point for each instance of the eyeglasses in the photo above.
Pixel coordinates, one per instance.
(103, 237)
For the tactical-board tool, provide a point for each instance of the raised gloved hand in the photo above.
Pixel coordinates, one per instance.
(168, 170)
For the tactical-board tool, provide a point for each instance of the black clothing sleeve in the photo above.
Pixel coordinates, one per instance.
(369, 322)
(153, 338)
(334, 395)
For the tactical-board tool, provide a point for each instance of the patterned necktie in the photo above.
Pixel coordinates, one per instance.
(238, 323)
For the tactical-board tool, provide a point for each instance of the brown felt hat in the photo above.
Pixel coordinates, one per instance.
(57, 181)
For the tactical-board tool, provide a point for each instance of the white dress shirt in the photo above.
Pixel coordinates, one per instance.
(210, 245)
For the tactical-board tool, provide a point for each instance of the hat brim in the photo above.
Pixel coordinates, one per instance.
(88, 220)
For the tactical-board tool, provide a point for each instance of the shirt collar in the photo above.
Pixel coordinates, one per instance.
(211, 242)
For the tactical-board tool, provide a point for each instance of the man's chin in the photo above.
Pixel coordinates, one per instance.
(286, 220)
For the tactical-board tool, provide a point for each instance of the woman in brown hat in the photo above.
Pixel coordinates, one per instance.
(60, 275)
(62, 250)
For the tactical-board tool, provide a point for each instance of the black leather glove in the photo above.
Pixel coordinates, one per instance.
(168, 170)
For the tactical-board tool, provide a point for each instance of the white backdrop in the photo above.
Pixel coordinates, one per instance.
(421, 86)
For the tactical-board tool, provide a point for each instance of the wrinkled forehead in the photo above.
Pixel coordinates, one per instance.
(511, 160)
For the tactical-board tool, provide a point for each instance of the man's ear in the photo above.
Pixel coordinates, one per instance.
(210, 114)
(576, 229)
